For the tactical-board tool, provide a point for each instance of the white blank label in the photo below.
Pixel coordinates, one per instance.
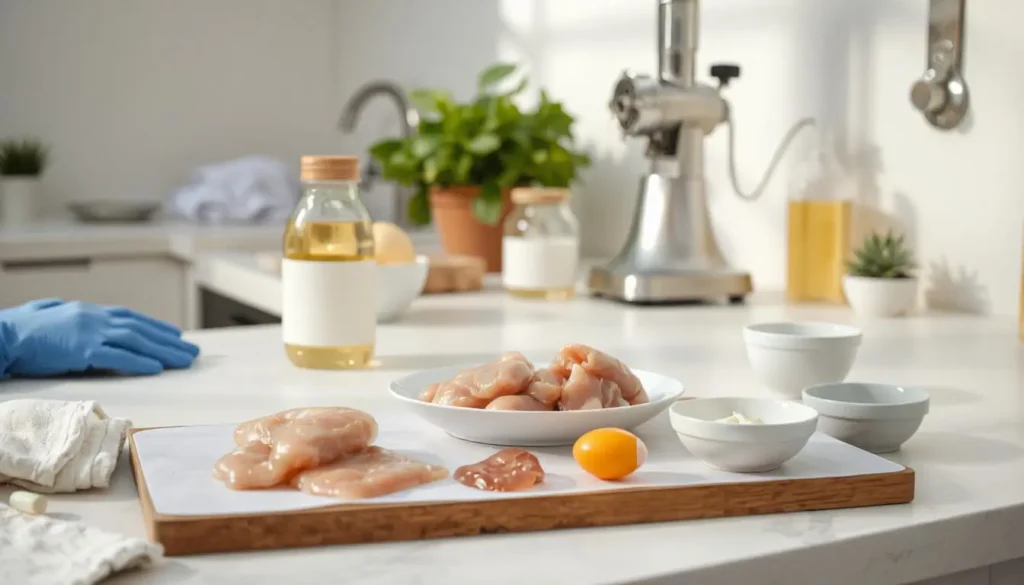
(328, 304)
(541, 263)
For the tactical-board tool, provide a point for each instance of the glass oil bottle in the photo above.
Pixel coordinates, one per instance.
(328, 304)
(540, 245)
(818, 236)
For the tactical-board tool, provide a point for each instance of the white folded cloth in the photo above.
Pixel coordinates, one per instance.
(251, 189)
(58, 446)
(40, 550)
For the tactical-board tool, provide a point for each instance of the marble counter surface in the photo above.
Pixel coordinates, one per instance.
(969, 453)
(61, 239)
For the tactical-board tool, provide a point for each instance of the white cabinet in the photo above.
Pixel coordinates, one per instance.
(155, 285)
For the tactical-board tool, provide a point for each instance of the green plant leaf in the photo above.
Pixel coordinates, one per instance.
(882, 256)
(462, 169)
(419, 207)
(424, 145)
(483, 144)
(494, 75)
(27, 157)
(487, 205)
(487, 140)
(518, 89)
(429, 101)
(430, 170)
(385, 149)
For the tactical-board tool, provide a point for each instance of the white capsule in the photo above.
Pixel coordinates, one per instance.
(28, 502)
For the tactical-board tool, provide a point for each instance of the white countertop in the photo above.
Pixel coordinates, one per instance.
(58, 239)
(969, 453)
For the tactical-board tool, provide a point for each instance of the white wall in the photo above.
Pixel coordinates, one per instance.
(133, 94)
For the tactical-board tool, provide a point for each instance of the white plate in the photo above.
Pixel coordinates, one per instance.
(530, 428)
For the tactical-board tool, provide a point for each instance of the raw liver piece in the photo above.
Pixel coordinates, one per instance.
(508, 470)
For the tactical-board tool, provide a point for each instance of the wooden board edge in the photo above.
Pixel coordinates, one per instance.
(149, 514)
(363, 523)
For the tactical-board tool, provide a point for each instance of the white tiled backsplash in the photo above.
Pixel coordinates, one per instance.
(134, 95)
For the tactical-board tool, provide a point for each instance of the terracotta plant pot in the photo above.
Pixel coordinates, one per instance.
(460, 231)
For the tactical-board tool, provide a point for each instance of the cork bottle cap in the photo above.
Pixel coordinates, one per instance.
(329, 168)
(532, 195)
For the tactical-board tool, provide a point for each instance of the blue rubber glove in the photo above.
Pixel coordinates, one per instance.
(52, 337)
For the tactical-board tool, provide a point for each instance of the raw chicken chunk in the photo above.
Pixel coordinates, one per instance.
(602, 365)
(611, 396)
(454, 393)
(516, 402)
(476, 387)
(429, 393)
(508, 470)
(546, 387)
(274, 448)
(582, 391)
(368, 474)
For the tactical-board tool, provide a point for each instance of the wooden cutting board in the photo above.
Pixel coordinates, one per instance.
(410, 520)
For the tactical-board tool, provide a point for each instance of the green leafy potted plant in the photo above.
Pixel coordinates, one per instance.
(22, 163)
(880, 280)
(467, 156)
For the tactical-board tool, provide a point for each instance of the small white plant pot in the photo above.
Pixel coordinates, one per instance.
(880, 297)
(18, 200)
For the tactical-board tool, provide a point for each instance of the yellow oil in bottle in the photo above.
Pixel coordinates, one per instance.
(561, 293)
(818, 245)
(341, 241)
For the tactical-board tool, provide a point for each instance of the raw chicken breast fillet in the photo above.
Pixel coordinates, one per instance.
(274, 448)
(604, 366)
(369, 474)
(508, 470)
(477, 387)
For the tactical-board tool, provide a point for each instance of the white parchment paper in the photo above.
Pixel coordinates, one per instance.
(178, 465)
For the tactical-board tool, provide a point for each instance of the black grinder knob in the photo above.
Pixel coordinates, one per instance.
(724, 73)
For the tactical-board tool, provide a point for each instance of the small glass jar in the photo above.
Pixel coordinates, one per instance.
(540, 246)
(328, 273)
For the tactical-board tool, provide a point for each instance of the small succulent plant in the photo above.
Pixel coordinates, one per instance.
(23, 158)
(882, 256)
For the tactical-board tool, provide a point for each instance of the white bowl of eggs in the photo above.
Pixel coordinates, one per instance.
(401, 273)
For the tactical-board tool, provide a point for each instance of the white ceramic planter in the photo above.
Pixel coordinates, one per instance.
(18, 200)
(880, 297)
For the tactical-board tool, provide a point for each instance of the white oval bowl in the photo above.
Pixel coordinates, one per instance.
(789, 356)
(530, 428)
(398, 285)
(743, 448)
(875, 417)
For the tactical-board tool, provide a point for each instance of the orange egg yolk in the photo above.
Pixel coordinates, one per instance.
(609, 454)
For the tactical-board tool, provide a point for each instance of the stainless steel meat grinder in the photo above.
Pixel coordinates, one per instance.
(670, 254)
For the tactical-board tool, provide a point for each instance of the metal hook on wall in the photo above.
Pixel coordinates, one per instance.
(941, 93)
